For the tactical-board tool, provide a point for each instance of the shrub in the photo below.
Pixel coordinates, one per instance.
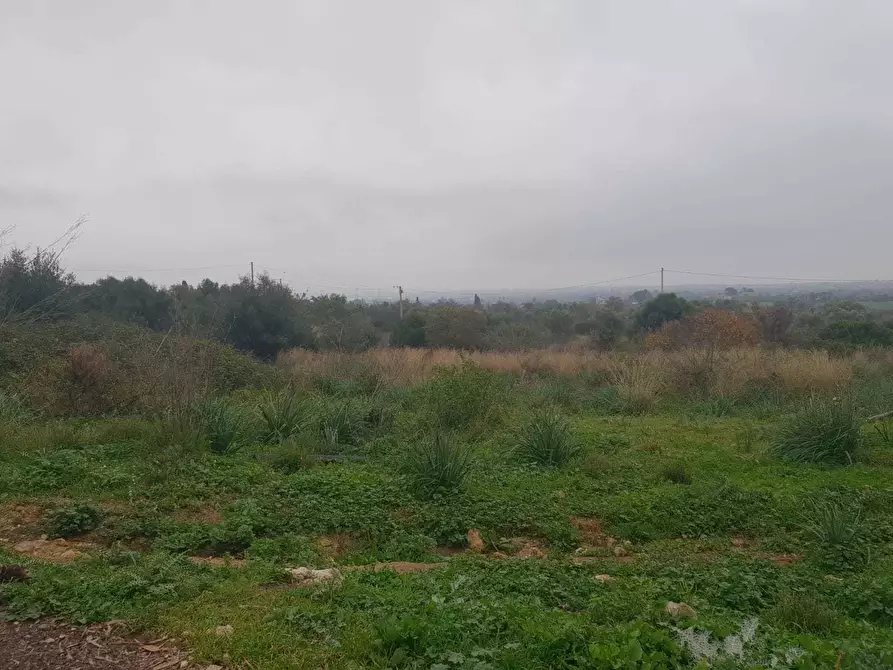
(547, 440)
(825, 431)
(803, 613)
(74, 520)
(438, 464)
(283, 415)
(677, 473)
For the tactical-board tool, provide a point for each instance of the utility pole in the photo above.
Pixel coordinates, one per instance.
(252, 274)
(661, 280)
(400, 293)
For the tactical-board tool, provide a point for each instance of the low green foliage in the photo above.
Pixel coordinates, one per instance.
(547, 440)
(825, 431)
(74, 520)
(439, 464)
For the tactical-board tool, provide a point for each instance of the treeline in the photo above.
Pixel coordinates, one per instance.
(265, 317)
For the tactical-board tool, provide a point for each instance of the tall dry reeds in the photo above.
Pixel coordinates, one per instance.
(639, 378)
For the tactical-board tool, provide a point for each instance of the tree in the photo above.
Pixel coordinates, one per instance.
(131, 300)
(410, 332)
(641, 296)
(731, 291)
(264, 318)
(774, 323)
(858, 334)
(560, 323)
(477, 301)
(455, 327)
(712, 328)
(36, 284)
(662, 309)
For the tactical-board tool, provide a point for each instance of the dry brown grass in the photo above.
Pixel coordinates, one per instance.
(639, 378)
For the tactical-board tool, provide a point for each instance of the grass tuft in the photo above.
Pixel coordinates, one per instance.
(547, 440)
(283, 415)
(677, 473)
(825, 431)
(438, 465)
(803, 613)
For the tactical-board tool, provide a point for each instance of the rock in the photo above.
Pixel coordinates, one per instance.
(475, 541)
(561, 494)
(309, 576)
(531, 550)
(498, 555)
(620, 550)
(604, 579)
(739, 542)
(680, 610)
(223, 631)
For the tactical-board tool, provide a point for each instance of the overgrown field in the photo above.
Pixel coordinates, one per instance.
(540, 510)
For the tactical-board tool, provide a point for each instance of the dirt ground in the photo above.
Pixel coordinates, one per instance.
(53, 645)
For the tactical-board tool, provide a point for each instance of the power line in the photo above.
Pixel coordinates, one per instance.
(132, 270)
(539, 290)
(792, 279)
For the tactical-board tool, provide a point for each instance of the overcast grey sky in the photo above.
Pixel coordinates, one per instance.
(451, 144)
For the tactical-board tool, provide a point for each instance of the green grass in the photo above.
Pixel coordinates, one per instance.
(684, 506)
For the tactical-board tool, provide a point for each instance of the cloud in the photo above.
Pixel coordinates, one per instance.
(443, 145)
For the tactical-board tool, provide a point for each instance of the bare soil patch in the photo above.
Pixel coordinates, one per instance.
(52, 551)
(54, 645)
(19, 521)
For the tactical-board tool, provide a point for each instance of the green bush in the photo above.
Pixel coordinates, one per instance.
(283, 415)
(825, 431)
(547, 440)
(438, 465)
(74, 520)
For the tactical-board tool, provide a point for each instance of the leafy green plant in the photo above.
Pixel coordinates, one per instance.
(547, 440)
(803, 613)
(283, 415)
(677, 473)
(74, 520)
(438, 464)
(825, 431)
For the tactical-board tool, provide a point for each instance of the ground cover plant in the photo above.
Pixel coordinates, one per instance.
(537, 510)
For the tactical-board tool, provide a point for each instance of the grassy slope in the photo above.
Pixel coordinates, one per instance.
(509, 613)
